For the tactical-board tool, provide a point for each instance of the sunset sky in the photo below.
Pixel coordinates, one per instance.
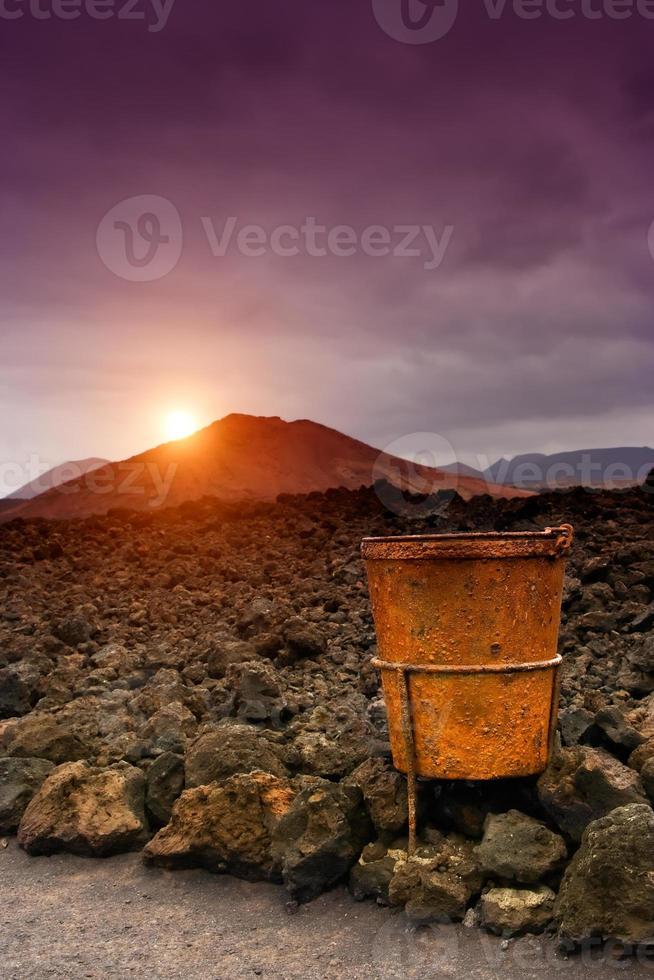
(532, 141)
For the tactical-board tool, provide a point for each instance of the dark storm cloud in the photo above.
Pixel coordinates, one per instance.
(532, 139)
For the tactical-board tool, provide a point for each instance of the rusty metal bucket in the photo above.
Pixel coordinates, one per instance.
(467, 628)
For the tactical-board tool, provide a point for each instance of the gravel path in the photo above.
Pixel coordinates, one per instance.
(68, 917)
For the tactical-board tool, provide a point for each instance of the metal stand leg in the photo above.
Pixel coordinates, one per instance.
(409, 747)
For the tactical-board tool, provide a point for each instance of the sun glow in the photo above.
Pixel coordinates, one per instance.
(179, 425)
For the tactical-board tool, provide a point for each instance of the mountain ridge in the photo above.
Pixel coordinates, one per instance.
(244, 457)
(55, 477)
(600, 467)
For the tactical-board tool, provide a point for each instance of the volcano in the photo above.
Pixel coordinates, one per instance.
(244, 457)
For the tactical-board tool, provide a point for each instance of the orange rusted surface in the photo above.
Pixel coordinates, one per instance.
(480, 612)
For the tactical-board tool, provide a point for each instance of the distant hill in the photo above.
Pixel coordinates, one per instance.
(244, 457)
(618, 467)
(462, 469)
(56, 477)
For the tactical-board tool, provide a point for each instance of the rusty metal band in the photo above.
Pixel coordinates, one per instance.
(468, 668)
(556, 694)
(405, 670)
(410, 752)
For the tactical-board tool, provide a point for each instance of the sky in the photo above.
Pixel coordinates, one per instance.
(386, 216)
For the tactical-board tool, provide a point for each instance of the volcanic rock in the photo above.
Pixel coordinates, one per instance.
(166, 688)
(463, 807)
(331, 743)
(371, 876)
(171, 722)
(616, 728)
(164, 784)
(257, 691)
(320, 837)
(437, 882)
(228, 750)
(514, 911)
(14, 694)
(115, 656)
(73, 631)
(641, 755)
(302, 639)
(19, 781)
(647, 776)
(583, 784)
(576, 723)
(636, 673)
(227, 653)
(516, 847)
(256, 618)
(641, 717)
(85, 810)
(384, 793)
(644, 621)
(226, 827)
(41, 736)
(608, 888)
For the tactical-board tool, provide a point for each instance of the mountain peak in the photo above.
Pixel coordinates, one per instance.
(241, 457)
(250, 419)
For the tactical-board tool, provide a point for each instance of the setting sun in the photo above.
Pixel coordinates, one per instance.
(179, 425)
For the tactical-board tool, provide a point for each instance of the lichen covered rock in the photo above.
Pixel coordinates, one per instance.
(608, 888)
(437, 883)
(513, 911)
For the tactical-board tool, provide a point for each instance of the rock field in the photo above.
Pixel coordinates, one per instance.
(196, 683)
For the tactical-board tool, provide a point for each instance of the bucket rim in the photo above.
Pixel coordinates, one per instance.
(551, 541)
(462, 535)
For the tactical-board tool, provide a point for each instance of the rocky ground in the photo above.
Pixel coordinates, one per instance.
(196, 684)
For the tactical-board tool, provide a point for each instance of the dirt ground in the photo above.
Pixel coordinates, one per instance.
(69, 917)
